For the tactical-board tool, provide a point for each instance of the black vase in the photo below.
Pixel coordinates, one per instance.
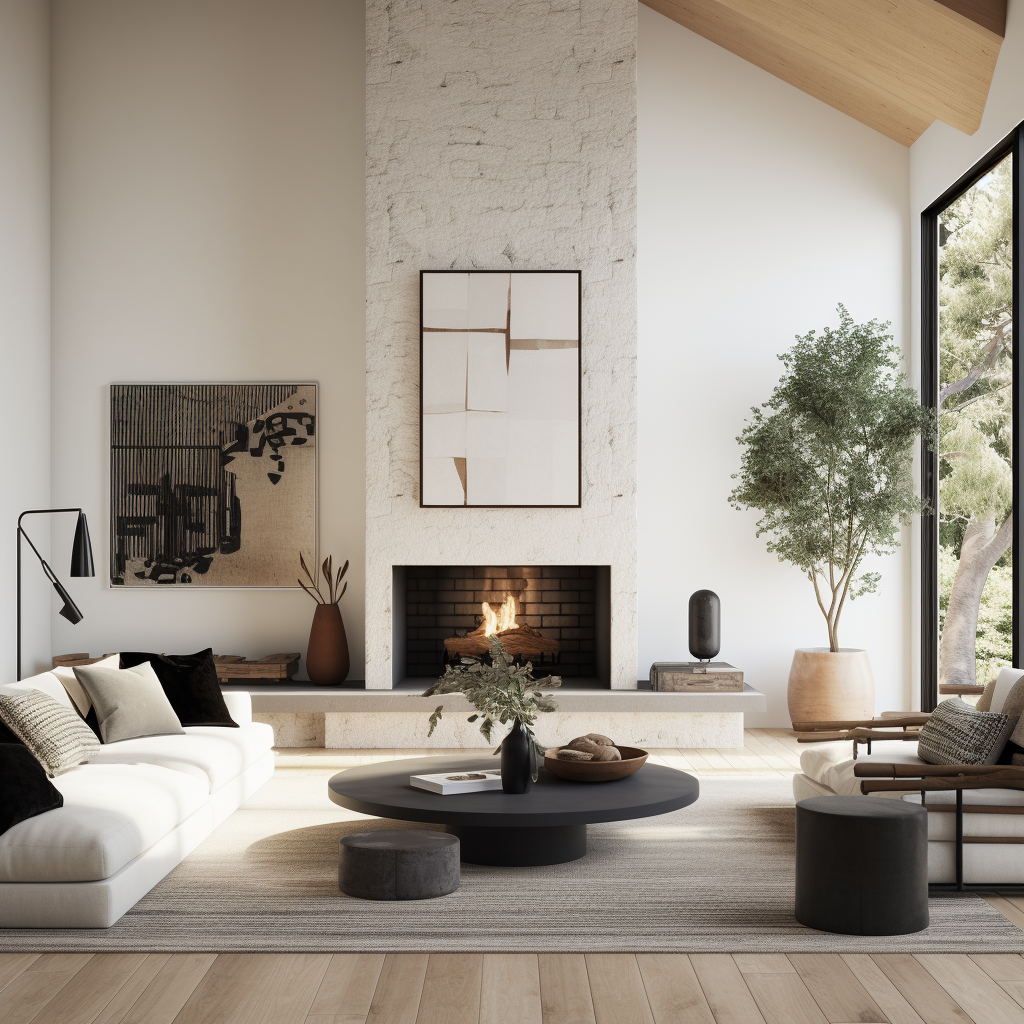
(705, 625)
(516, 771)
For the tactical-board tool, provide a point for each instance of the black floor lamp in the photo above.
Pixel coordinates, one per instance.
(81, 565)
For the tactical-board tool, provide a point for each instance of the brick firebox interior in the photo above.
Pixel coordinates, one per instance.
(561, 601)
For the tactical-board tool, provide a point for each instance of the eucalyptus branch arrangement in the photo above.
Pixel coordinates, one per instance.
(333, 594)
(501, 692)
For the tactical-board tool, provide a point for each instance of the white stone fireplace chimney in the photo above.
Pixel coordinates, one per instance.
(501, 135)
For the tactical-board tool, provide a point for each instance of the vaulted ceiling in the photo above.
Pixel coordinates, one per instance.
(894, 65)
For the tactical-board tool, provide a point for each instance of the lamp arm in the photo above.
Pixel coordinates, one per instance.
(46, 568)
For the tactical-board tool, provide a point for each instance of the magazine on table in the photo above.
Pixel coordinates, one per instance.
(450, 783)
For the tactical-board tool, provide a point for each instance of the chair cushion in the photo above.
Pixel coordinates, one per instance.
(942, 825)
(832, 764)
(25, 791)
(999, 689)
(209, 753)
(54, 732)
(129, 702)
(956, 733)
(111, 814)
(191, 684)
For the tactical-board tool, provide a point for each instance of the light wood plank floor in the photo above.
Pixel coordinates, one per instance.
(522, 987)
(513, 988)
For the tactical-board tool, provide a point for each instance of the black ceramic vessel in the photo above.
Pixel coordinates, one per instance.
(705, 625)
(516, 770)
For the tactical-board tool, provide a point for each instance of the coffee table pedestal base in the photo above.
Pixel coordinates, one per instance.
(521, 847)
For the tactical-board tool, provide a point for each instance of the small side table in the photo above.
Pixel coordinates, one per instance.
(861, 865)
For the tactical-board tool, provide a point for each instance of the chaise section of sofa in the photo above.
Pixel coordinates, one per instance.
(130, 815)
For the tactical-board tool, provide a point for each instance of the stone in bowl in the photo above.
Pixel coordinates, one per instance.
(595, 771)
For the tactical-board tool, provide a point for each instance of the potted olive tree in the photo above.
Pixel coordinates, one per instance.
(827, 462)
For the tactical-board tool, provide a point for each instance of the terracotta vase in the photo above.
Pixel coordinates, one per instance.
(327, 661)
(827, 686)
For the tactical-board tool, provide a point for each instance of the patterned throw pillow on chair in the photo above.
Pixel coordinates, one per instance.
(956, 733)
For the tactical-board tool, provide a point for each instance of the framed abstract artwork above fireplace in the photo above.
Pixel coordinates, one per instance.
(500, 388)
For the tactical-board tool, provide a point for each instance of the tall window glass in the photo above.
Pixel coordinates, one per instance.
(975, 450)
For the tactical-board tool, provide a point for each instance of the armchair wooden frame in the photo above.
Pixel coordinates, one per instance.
(888, 727)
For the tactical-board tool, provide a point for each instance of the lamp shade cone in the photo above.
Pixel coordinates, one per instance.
(81, 549)
(327, 661)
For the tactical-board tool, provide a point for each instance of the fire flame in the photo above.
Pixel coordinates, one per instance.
(504, 619)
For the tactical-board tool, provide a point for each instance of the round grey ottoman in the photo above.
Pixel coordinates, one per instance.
(406, 864)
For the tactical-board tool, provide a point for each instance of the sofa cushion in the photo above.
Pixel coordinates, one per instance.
(956, 733)
(25, 791)
(191, 684)
(54, 732)
(832, 764)
(212, 754)
(47, 682)
(129, 702)
(111, 814)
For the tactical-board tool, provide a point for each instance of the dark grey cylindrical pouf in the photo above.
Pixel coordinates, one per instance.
(861, 865)
(402, 864)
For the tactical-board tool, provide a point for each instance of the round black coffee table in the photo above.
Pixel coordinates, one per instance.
(548, 825)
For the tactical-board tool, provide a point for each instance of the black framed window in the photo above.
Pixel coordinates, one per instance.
(970, 290)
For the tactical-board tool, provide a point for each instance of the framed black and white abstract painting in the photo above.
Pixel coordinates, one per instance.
(211, 485)
(500, 388)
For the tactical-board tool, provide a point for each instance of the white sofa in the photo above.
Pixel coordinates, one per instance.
(130, 815)
(828, 770)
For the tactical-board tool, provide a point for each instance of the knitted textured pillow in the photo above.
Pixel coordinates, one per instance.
(58, 739)
(956, 733)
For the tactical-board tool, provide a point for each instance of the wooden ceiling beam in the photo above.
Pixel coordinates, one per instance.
(894, 65)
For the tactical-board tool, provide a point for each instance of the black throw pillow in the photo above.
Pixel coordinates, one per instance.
(190, 682)
(25, 791)
(6, 736)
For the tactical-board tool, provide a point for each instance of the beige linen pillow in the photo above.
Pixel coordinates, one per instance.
(66, 674)
(54, 734)
(129, 702)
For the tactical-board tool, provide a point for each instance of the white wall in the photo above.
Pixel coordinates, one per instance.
(208, 225)
(501, 135)
(25, 319)
(760, 208)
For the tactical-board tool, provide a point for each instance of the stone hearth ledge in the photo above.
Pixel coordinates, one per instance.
(383, 719)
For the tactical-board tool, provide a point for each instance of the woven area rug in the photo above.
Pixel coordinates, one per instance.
(713, 877)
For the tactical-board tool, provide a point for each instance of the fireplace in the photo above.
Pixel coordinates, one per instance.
(562, 618)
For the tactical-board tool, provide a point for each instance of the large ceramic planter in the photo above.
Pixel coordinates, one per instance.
(827, 686)
(327, 661)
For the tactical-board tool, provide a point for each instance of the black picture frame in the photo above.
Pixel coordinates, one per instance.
(1011, 145)
(579, 392)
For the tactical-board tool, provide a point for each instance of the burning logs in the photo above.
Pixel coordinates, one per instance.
(523, 641)
(519, 641)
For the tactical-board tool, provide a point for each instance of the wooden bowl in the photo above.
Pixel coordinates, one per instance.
(596, 771)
